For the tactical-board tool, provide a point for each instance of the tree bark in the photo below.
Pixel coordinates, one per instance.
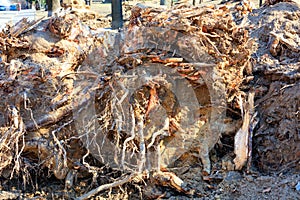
(53, 5)
(117, 16)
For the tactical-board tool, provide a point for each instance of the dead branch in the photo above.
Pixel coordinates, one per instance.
(253, 122)
(131, 138)
(108, 186)
(243, 136)
(142, 161)
(159, 132)
(60, 164)
(10, 195)
(50, 118)
(23, 26)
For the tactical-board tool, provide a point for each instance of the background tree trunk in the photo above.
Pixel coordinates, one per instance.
(53, 5)
(117, 16)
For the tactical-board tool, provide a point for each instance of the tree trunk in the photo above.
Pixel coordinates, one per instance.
(117, 16)
(53, 5)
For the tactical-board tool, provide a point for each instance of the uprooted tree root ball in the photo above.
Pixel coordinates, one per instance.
(165, 107)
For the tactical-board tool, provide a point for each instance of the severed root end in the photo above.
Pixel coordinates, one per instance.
(171, 180)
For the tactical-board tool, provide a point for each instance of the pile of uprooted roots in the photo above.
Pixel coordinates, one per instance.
(78, 102)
